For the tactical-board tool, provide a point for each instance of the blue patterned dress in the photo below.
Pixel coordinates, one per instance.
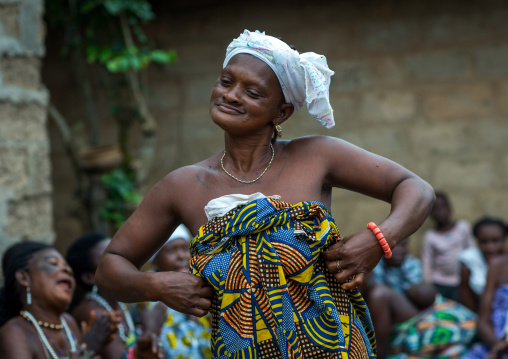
(274, 296)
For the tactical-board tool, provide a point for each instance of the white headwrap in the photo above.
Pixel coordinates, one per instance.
(304, 78)
(180, 232)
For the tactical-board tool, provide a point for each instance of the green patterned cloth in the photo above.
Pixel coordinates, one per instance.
(443, 330)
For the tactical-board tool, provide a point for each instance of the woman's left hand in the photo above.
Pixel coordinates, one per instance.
(355, 255)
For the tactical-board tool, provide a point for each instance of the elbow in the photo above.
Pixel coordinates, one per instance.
(100, 276)
(430, 195)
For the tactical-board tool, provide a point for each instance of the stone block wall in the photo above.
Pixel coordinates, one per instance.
(424, 83)
(25, 179)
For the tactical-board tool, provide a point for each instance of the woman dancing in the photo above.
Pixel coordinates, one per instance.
(256, 257)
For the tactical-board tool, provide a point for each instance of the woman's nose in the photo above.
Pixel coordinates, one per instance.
(231, 94)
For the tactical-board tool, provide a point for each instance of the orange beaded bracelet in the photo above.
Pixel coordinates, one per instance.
(382, 241)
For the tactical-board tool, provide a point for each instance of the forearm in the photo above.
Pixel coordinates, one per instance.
(122, 281)
(486, 333)
(411, 203)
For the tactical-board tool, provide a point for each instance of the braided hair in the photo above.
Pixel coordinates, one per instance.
(14, 259)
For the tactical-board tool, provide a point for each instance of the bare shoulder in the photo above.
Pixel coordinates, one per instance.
(324, 147)
(182, 176)
(499, 267)
(16, 339)
(306, 142)
(499, 262)
(84, 310)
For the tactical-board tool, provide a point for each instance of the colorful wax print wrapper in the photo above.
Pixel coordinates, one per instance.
(274, 296)
(304, 78)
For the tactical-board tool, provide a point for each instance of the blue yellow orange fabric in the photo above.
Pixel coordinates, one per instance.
(274, 297)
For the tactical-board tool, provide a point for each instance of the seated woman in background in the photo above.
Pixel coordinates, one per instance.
(83, 256)
(493, 319)
(490, 234)
(38, 290)
(422, 323)
(182, 336)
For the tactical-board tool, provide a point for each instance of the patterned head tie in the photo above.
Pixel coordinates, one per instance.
(304, 78)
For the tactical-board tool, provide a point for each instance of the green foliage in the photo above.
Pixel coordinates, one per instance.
(95, 27)
(122, 196)
(129, 58)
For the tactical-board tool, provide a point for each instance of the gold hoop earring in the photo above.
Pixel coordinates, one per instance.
(279, 131)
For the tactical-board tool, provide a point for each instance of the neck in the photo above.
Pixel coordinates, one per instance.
(45, 313)
(245, 156)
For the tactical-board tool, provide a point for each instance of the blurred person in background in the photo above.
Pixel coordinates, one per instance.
(418, 324)
(183, 336)
(442, 246)
(38, 290)
(493, 318)
(83, 256)
(490, 234)
(400, 271)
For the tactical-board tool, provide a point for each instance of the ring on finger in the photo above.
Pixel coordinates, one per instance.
(339, 268)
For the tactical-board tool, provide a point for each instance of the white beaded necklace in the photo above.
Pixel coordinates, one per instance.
(44, 340)
(128, 318)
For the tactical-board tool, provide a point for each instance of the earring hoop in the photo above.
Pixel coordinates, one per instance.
(279, 131)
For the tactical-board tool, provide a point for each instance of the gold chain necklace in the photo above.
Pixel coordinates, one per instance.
(254, 180)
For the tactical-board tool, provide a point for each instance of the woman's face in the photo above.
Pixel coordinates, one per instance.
(174, 256)
(51, 279)
(247, 97)
(490, 240)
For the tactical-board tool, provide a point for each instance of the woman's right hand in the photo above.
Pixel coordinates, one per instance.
(184, 292)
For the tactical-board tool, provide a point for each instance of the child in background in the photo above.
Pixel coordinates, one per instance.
(442, 246)
(400, 271)
(490, 234)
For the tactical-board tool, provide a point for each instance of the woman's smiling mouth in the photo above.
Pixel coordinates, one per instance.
(223, 107)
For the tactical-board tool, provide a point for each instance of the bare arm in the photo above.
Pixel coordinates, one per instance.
(485, 327)
(427, 256)
(118, 273)
(466, 295)
(411, 200)
(14, 343)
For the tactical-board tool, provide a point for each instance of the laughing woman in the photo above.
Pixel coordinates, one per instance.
(256, 256)
(38, 290)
